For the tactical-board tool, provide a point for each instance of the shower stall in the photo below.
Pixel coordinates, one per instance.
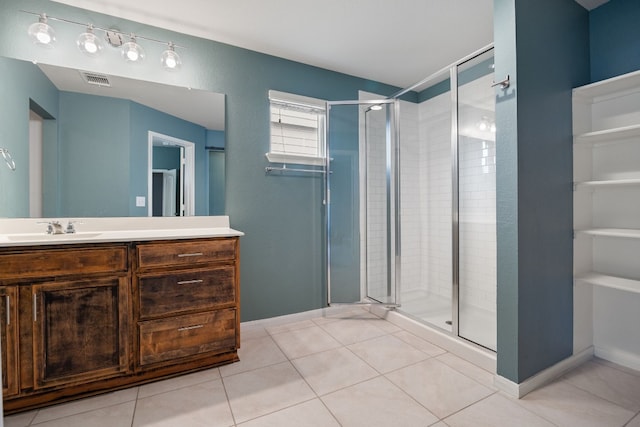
(420, 212)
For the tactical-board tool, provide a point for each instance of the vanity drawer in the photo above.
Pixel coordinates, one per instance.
(62, 262)
(186, 290)
(185, 253)
(183, 336)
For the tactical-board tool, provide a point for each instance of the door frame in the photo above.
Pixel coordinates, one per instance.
(187, 174)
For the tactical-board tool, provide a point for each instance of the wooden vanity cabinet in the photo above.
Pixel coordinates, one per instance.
(80, 330)
(186, 301)
(65, 319)
(9, 344)
(82, 319)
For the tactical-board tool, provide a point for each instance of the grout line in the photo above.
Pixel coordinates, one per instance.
(224, 387)
(135, 406)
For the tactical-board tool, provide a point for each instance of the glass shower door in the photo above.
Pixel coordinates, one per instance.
(476, 151)
(361, 202)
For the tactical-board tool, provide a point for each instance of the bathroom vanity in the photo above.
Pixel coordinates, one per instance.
(120, 302)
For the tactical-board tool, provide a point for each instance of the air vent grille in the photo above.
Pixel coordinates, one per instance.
(96, 79)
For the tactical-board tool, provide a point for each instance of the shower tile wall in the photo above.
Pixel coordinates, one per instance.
(435, 195)
(477, 175)
(410, 202)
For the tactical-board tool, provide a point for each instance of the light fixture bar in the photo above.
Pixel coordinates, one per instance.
(84, 24)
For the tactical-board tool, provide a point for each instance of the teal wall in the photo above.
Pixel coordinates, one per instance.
(614, 39)
(543, 46)
(93, 155)
(282, 253)
(215, 139)
(20, 84)
(166, 158)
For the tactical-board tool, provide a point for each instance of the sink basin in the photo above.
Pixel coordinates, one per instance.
(29, 237)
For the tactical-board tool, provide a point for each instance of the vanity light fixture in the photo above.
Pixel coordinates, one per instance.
(41, 32)
(90, 44)
(170, 59)
(132, 51)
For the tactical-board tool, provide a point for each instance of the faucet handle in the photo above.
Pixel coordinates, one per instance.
(70, 226)
(51, 225)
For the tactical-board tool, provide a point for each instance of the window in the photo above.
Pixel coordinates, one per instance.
(297, 129)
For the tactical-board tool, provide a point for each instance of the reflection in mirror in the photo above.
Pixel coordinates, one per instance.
(90, 135)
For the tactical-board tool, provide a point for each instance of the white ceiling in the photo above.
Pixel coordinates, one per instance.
(396, 42)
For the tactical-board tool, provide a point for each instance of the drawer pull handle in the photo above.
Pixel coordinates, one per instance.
(8, 310)
(192, 254)
(35, 307)
(189, 282)
(188, 328)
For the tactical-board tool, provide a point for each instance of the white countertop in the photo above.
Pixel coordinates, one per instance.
(32, 231)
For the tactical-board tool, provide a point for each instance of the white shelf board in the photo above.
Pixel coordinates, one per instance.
(613, 282)
(608, 135)
(608, 183)
(606, 87)
(627, 233)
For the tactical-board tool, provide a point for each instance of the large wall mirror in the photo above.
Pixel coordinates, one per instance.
(95, 145)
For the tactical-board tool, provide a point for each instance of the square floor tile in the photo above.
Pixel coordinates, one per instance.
(496, 411)
(176, 383)
(302, 342)
(85, 405)
(609, 383)
(308, 414)
(286, 327)
(112, 416)
(377, 402)
(255, 353)
(265, 390)
(333, 369)
(20, 420)
(469, 369)
(387, 353)
(440, 388)
(634, 422)
(566, 405)
(419, 343)
(200, 405)
(350, 331)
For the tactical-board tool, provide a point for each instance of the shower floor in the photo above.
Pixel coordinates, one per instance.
(476, 324)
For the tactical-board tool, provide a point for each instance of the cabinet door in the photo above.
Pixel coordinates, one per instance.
(81, 331)
(8, 326)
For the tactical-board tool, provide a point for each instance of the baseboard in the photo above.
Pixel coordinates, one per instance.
(542, 377)
(624, 358)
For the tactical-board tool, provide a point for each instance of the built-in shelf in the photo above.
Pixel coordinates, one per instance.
(607, 87)
(613, 282)
(608, 135)
(608, 183)
(626, 233)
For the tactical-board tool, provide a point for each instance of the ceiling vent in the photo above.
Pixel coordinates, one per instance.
(96, 79)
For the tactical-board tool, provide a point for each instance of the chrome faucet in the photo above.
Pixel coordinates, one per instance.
(70, 227)
(55, 227)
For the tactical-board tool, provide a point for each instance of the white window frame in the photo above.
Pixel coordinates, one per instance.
(282, 101)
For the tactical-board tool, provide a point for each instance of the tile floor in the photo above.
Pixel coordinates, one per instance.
(351, 369)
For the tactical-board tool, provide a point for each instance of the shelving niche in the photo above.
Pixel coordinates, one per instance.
(606, 127)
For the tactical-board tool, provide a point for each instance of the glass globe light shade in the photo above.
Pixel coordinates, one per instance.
(41, 33)
(89, 43)
(132, 51)
(170, 59)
